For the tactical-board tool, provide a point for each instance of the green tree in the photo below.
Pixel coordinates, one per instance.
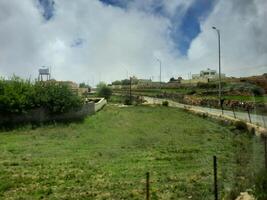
(117, 82)
(16, 95)
(19, 96)
(103, 90)
(57, 98)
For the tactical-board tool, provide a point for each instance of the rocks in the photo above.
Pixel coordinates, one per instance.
(245, 196)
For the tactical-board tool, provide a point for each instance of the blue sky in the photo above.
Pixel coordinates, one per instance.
(48, 8)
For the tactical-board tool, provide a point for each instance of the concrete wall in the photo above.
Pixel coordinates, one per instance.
(100, 104)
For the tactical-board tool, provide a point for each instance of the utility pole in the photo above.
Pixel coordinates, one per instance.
(159, 72)
(220, 78)
(130, 90)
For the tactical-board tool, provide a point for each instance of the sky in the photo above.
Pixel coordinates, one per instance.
(105, 40)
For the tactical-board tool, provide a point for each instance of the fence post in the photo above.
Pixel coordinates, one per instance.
(263, 121)
(215, 178)
(265, 151)
(249, 115)
(147, 186)
(234, 111)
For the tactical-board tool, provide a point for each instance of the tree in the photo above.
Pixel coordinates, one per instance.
(57, 98)
(103, 90)
(19, 96)
(117, 82)
(83, 85)
(172, 79)
(125, 82)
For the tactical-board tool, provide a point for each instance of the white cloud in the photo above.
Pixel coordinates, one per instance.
(243, 38)
(115, 40)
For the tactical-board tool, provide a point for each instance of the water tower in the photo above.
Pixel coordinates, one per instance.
(44, 73)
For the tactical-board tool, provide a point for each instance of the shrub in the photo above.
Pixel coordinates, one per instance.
(127, 101)
(57, 98)
(19, 96)
(16, 95)
(165, 103)
(240, 125)
(191, 92)
(257, 91)
(103, 90)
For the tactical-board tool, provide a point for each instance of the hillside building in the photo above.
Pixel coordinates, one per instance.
(207, 74)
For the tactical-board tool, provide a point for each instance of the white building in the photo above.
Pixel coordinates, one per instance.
(207, 74)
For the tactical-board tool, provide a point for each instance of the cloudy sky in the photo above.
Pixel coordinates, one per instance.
(92, 40)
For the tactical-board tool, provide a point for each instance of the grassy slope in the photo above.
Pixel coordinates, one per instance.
(107, 156)
(154, 92)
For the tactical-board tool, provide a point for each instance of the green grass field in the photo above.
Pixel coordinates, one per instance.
(107, 156)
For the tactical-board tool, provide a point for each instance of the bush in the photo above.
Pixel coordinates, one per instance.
(127, 101)
(16, 95)
(20, 96)
(240, 125)
(191, 92)
(165, 103)
(57, 98)
(103, 90)
(257, 91)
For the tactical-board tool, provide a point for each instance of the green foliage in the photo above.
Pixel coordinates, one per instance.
(240, 125)
(117, 82)
(19, 96)
(57, 98)
(165, 103)
(128, 101)
(83, 85)
(16, 95)
(260, 190)
(125, 82)
(207, 85)
(103, 90)
(257, 91)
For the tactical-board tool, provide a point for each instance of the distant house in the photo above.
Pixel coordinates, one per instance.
(207, 74)
(144, 82)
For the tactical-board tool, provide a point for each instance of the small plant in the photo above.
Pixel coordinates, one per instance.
(103, 90)
(127, 101)
(165, 103)
(240, 125)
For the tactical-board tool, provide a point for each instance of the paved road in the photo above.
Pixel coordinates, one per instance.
(255, 119)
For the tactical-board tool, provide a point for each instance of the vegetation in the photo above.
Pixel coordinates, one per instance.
(19, 96)
(107, 156)
(261, 185)
(241, 125)
(165, 103)
(103, 90)
(84, 85)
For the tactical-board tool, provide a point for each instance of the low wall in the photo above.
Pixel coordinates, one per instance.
(42, 115)
(100, 104)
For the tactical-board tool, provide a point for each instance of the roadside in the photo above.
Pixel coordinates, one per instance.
(258, 121)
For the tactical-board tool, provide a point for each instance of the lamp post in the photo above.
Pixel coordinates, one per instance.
(159, 72)
(220, 78)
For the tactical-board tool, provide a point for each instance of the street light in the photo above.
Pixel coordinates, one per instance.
(220, 79)
(159, 72)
